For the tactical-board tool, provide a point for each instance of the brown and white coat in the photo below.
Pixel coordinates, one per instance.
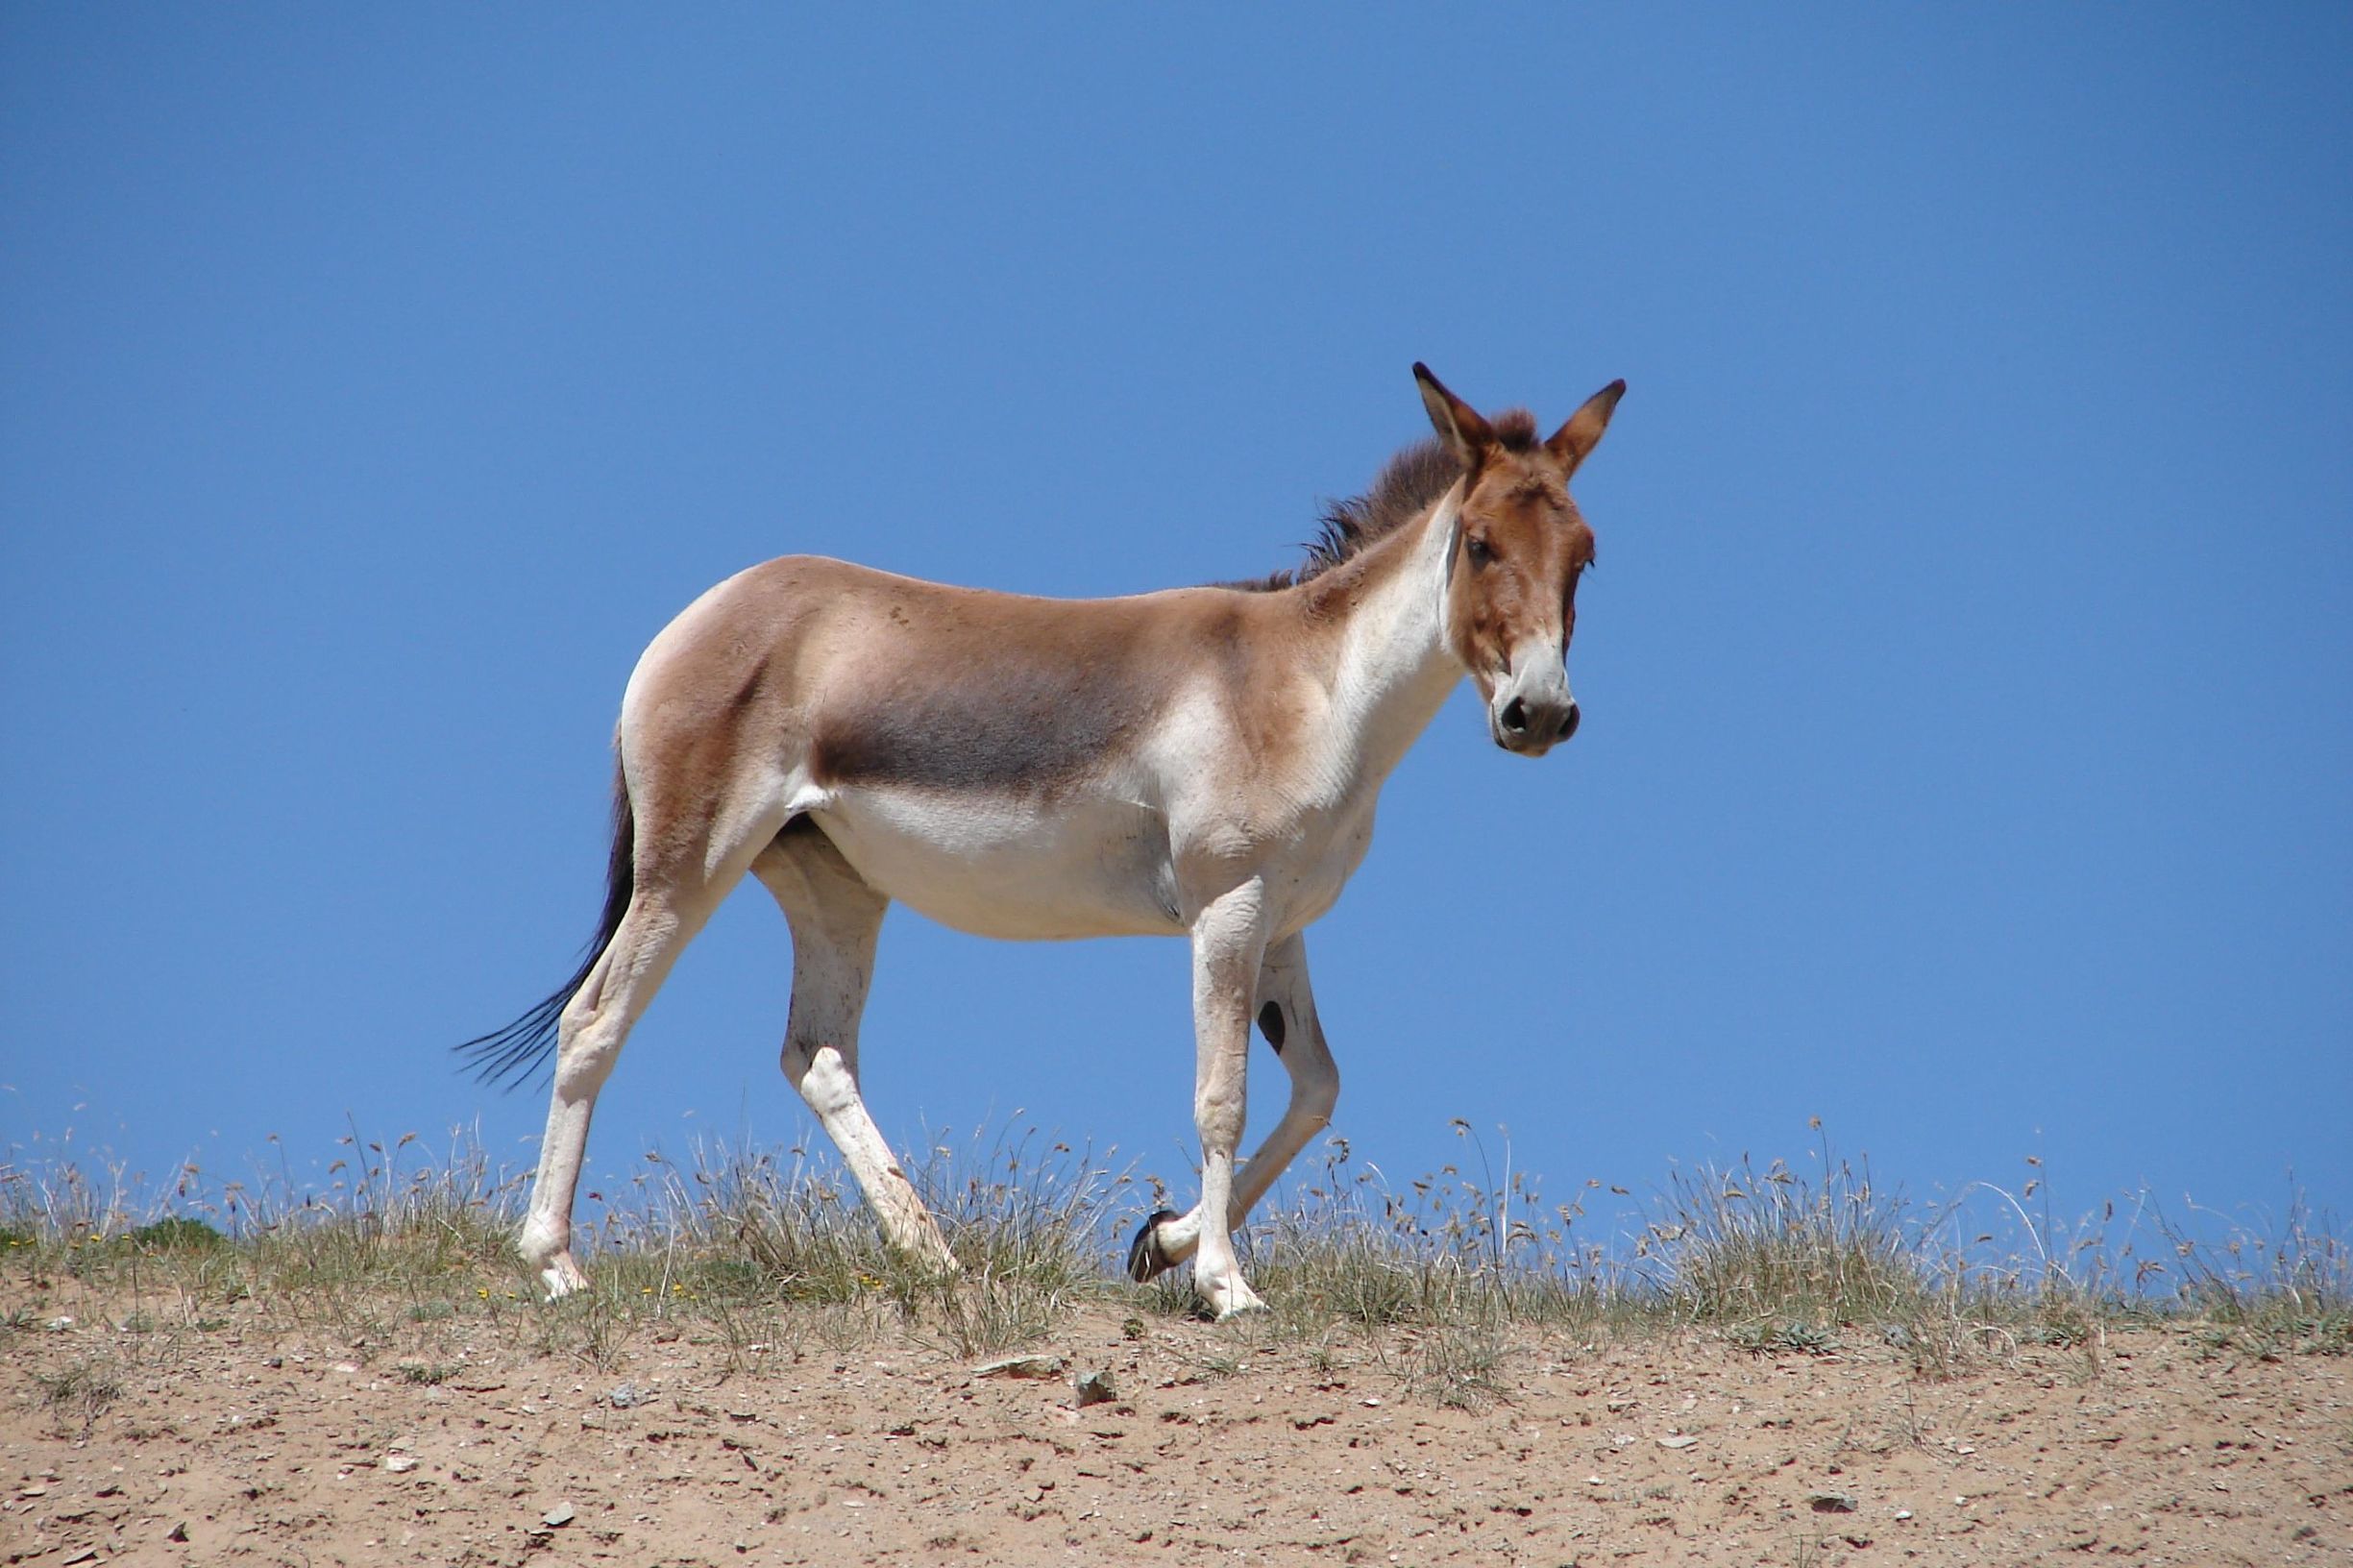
(1202, 761)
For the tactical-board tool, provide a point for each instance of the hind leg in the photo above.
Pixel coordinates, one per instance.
(673, 897)
(836, 917)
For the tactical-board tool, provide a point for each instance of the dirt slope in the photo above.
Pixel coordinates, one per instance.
(244, 1443)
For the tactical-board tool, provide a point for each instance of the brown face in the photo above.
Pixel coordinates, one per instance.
(1519, 548)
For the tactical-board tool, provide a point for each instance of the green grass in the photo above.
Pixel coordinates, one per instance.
(767, 1255)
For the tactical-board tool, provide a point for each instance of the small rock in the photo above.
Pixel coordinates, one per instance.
(1022, 1366)
(624, 1395)
(59, 1325)
(179, 1532)
(1094, 1388)
(1678, 1440)
(1831, 1503)
(558, 1516)
(400, 1464)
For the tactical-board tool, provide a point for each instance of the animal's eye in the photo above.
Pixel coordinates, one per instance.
(1478, 550)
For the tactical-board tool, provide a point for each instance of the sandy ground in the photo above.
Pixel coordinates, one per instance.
(245, 1443)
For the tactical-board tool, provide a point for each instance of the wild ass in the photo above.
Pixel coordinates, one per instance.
(1198, 762)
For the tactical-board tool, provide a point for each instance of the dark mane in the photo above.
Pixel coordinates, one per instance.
(1407, 483)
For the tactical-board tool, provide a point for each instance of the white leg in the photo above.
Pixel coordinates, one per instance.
(1229, 944)
(1287, 1015)
(678, 883)
(835, 918)
(588, 1043)
(1286, 1012)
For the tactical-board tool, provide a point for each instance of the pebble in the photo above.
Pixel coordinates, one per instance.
(1022, 1366)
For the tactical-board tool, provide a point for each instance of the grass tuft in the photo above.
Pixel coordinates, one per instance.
(1439, 1284)
(77, 1394)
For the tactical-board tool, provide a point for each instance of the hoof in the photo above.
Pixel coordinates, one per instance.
(940, 1266)
(927, 1251)
(1145, 1256)
(1229, 1297)
(562, 1278)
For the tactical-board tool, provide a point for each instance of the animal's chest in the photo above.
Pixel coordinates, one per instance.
(1304, 880)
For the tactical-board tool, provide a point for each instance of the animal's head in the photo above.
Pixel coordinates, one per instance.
(1517, 548)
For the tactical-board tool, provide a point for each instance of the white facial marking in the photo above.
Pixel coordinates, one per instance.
(1532, 701)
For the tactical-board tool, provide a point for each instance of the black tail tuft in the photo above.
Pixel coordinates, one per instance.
(515, 1054)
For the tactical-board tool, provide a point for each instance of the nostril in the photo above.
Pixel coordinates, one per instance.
(1515, 716)
(1568, 725)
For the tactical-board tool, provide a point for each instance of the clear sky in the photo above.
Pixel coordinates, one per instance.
(1967, 759)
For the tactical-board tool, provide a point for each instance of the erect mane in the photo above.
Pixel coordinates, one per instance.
(1407, 483)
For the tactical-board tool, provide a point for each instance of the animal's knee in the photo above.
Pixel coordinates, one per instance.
(584, 1059)
(1218, 1118)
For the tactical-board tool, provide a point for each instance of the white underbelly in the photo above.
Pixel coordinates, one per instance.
(1089, 866)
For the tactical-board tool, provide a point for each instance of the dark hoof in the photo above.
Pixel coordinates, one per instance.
(1144, 1257)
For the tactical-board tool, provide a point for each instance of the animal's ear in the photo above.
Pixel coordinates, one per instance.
(1457, 423)
(1583, 431)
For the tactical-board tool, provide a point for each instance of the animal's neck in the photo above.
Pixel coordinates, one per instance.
(1395, 670)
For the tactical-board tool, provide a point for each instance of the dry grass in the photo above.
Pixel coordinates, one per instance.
(765, 1256)
(78, 1393)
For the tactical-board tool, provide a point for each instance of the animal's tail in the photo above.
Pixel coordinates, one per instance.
(514, 1054)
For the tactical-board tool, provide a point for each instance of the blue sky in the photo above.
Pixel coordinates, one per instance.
(1967, 748)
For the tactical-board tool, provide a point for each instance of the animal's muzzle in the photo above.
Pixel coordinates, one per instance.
(1532, 724)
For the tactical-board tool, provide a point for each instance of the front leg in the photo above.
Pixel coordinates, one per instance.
(1287, 1015)
(1229, 942)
